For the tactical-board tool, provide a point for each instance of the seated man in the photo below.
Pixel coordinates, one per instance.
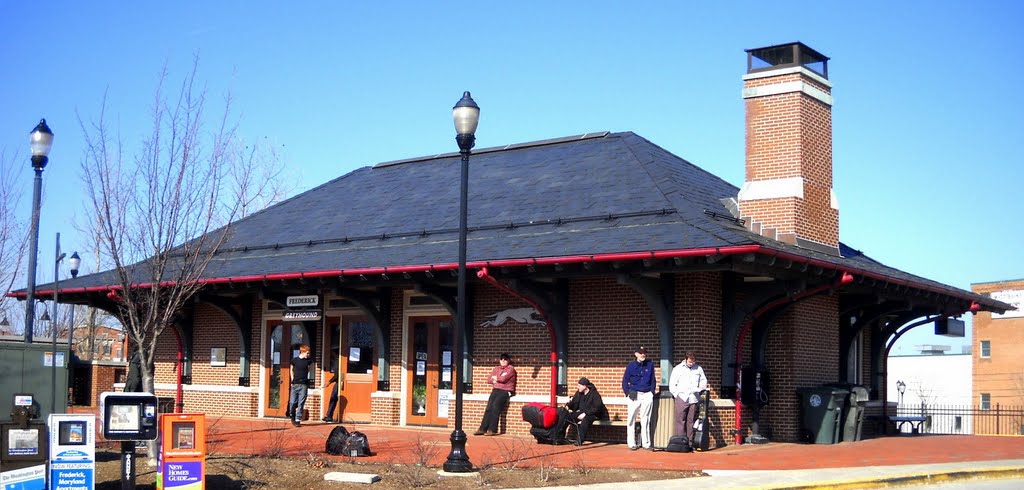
(584, 408)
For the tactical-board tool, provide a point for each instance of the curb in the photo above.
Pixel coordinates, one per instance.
(906, 480)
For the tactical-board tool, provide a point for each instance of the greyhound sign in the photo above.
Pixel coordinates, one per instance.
(521, 315)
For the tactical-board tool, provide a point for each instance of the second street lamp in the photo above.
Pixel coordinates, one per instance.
(40, 140)
(466, 115)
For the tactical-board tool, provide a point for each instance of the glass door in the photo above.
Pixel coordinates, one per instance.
(356, 357)
(283, 344)
(431, 374)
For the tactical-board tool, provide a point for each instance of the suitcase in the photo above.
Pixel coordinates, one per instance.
(555, 434)
(540, 415)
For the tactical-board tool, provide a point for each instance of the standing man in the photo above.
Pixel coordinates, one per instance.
(332, 405)
(300, 385)
(638, 386)
(686, 383)
(584, 408)
(503, 381)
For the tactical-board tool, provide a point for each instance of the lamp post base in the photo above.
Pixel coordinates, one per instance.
(458, 460)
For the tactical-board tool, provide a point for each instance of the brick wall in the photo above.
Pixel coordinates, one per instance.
(803, 351)
(607, 320)
(1001, 375)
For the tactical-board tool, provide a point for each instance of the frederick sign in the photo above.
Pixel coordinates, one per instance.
(302, 301)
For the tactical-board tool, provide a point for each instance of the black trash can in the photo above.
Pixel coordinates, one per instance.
(821, 410)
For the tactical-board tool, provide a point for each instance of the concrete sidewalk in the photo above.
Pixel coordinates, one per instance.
(836, 478)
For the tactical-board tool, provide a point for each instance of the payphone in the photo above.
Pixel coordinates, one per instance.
(23, 446)
(181, 463)
(72, 451)
(128, 417)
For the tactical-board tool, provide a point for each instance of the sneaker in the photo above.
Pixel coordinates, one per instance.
(296, 423)
(490, 433)
(328, 420)
(649, 448)
(478, 432)
(633, 448)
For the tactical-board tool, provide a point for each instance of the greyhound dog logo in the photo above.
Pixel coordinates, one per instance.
(521, 315)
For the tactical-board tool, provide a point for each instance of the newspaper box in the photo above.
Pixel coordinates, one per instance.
(72, 451)
(23, 446)
(181, 463)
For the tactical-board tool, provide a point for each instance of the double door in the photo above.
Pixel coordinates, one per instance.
(284, 340)
(431, 372)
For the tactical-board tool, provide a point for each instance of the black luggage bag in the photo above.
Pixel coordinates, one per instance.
(552, 435)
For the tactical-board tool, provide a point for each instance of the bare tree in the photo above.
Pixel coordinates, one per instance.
(255, 179)
(163, 213)
(12, 231)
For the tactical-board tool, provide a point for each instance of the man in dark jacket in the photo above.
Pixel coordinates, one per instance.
(638, 386)
(134, 381)
(584, 408)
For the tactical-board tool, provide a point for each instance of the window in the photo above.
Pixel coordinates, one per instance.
(958, 423)
(986, 349)
(986, 401)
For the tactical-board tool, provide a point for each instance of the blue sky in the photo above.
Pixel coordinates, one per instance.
(927, 122)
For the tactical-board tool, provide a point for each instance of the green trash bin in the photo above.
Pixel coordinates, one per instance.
(852, 418)
(821, 409)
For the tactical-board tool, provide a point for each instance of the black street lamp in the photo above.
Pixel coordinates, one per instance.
(74, 261)
(902, 388)
(40, 140)
(466, 115)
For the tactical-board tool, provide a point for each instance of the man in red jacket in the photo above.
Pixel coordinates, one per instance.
(503, 380)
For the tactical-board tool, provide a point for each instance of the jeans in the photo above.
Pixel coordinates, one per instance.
(639, 409)
(297, 400)
(496, 403)
(333, 403)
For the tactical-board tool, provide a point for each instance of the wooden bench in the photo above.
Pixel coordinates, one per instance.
(915, 422)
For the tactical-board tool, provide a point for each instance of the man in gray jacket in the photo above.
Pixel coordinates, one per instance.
(686, 383)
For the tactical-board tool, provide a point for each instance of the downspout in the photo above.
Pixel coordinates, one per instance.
(179, 403)
(483, 274)
(974, 308)
(845, 279)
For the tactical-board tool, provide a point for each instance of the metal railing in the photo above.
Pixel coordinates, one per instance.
(968, 419)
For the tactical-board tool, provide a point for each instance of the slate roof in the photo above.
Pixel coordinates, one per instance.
(583, 195)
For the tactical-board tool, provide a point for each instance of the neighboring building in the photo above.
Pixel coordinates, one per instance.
(106, 344)
(934, 383)
(998, 341)
(618, 242)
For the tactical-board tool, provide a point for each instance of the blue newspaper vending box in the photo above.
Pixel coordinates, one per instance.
(72, 451)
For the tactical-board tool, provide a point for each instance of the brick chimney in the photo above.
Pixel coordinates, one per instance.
(788, 192)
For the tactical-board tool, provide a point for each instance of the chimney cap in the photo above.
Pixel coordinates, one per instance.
(785, 56)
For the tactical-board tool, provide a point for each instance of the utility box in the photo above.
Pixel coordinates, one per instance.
(72, 451)
(35, 368)
(181, 460)
(23, 446)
